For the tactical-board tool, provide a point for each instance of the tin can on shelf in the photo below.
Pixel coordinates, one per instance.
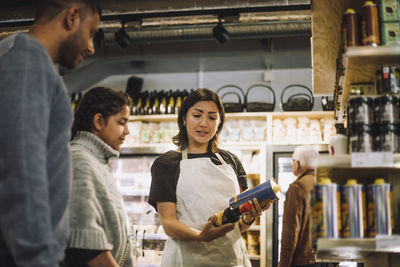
(360, 110)
(353, 209)
(386, 109)
(387, 137)
(370, 24)
(325, 205)
(361, 138)
(380, 209)
(350, 29)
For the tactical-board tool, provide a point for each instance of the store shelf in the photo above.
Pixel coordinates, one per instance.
(255, 228)
(356, 249)
(339, 169)
(255, 258)
(361, 64)
(147, 148)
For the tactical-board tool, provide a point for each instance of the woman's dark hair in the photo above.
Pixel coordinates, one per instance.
(202, 94)
(50, 8)
(101, 100)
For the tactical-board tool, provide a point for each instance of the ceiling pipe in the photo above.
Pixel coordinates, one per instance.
(190, 33)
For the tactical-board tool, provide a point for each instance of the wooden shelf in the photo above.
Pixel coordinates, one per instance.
(362, 62)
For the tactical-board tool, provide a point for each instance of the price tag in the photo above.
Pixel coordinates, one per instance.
(371, 159)
(391, 243)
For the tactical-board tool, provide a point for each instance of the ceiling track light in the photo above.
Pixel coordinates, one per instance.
(122, 37)
(220, 33)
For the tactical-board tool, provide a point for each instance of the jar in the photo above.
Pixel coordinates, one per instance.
(386, 109)
(387, 137)
(360, 110)
(361, 138)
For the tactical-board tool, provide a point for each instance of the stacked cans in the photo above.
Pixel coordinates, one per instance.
(353, 210)
(325, 204)
(380, 208)
(373, 124)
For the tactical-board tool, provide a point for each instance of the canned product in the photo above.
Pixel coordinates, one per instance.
(360, 110)
(386, 109)
(361, 138)
(370, 24)
(387, 137)
(353, 209)
(379, 208)
(269, 190)
(325, 204)
(350, 29)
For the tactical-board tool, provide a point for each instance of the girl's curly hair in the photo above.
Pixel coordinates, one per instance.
(101, 100)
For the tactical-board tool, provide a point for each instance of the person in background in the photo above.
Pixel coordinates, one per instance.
(35, 121)
(296, 247)
(99, 229)
(194, 182)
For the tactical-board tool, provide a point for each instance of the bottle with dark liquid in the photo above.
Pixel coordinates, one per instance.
(231, 215)
(163, 103)
(171, 103)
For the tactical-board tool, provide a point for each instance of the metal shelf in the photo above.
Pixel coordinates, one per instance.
(356, 249)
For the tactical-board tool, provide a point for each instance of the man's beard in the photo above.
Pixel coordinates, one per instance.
(70, 50)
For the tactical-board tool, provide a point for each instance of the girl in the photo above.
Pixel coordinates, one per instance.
(98, 222)
(196, 181)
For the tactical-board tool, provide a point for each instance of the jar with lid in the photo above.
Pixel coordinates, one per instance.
(361, 138)
(387, 137)
(386, 109)
(360, 110)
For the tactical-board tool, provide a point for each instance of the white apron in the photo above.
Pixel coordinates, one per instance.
(203, 189)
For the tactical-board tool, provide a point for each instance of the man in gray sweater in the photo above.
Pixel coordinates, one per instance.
(35, 120)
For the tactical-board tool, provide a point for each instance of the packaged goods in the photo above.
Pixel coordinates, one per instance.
(269, 190)
(350, 29)
(370, 24)
(380, 209)
(325, 207)
(386, 109)
(231, 215)
(353, 209)
(361, 138)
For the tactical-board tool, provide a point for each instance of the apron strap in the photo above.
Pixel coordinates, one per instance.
(220, 158)
(184, 154)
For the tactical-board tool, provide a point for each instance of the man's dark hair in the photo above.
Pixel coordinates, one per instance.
(101, 100)
(202, 94)
(48, 9)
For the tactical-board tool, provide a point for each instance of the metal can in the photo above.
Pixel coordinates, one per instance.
(361, 138)
(386, 109)
(269, 190)
(379, 208)
(325, 205)
(370, 24)
(360, 110)
(350, 29)
(353, 210)
(387, 137)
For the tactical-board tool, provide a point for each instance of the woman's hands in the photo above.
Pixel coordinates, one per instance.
(211, 232)
(248, 218)
(179, 230)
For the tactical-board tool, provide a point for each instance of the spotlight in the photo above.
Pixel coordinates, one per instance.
(220, 33)
(122, 37)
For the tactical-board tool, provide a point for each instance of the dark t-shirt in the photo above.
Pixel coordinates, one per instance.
(166, 168)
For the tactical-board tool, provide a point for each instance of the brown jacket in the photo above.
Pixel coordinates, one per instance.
(296, 228)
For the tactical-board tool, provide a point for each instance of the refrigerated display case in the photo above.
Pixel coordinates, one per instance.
(132, 172)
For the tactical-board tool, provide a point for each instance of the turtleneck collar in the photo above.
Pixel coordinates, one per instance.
(94, 144)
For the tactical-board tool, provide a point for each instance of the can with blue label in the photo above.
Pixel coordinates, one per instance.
(353, 209)
(267, 191)
(325, 205)
(380, 208)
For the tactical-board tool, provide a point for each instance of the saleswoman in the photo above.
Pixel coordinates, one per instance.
(193, 183)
